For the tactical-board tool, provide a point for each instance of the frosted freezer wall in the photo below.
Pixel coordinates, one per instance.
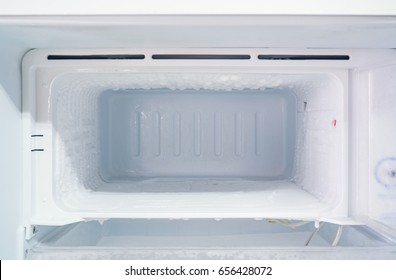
(201, 139)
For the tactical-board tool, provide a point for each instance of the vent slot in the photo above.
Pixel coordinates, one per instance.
(302, 57)
(96, 57)
(203, 56)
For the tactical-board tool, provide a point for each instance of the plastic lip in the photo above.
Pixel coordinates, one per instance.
(302, 57)
(96, 57)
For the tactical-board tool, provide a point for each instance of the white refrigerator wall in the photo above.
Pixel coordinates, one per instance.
(20, 34)
(219, 7)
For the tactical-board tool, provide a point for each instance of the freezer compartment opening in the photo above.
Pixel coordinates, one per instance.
(199, 144)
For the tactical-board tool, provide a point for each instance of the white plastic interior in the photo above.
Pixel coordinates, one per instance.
(382, 180)
(199, 144)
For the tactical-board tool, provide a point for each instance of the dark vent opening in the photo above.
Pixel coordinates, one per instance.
(202, 56)
(302, 57)
(96, 57)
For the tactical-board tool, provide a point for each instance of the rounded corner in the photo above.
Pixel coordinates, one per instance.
(32, 57)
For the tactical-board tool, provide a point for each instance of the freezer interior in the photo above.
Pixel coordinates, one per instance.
(198, 137)
(215, 144)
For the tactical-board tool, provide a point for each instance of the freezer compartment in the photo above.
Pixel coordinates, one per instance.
(61, 187)
(196, 144)
(209, 239)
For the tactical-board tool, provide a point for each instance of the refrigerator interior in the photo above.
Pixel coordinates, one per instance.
(188, 141)
(249, 147)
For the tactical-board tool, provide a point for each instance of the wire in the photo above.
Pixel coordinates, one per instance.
(313, 233)
(338, 236)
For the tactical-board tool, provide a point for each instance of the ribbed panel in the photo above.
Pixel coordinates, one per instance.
(194, 133)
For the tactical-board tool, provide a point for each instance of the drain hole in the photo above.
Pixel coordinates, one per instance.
(202, 56)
